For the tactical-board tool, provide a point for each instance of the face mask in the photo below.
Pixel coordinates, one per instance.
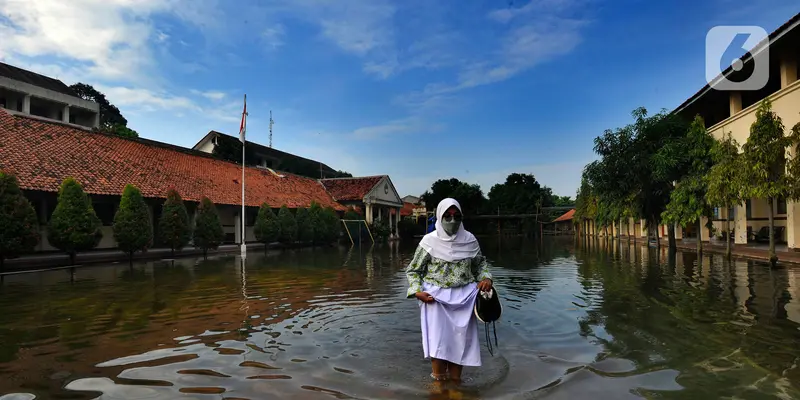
(451, 227)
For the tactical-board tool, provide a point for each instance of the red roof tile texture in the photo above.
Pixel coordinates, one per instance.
(566, 217)
(350, 189)
(407, 210)
(43, 154)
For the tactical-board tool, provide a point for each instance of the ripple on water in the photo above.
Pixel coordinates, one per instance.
(573, 327)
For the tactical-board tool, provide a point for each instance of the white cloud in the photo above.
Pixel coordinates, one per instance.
(273, 35)
(211, 94)
(505, 15)
(400, 126)
(146, 100)
(109, 38)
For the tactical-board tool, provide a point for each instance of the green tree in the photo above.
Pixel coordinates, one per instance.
(208, 233)
(688, 202)
(519, 194)
(723, 182)
(288, 225)
(267, 229)
(174, 226)
(469, 196)
(111, 119)
(316, 222)
(20, 227)
(133, 230)
(74, 226)
(305, 232)
(330, 220)
(764, 164)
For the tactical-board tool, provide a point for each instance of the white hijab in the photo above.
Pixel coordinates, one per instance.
(439, 244)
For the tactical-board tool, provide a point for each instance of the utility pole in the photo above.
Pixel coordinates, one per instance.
(271, 122)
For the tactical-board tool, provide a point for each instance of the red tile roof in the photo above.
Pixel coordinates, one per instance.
(566, 217)
(350, 189)
(408, 209)
(43, 154)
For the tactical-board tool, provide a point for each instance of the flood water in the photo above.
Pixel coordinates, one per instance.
(581, 320)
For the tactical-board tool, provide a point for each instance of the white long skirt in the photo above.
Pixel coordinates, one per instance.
(449, 326)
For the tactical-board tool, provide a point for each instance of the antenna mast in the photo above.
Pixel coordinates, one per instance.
(270, 128)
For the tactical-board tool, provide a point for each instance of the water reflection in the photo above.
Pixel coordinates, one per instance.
(603, 317)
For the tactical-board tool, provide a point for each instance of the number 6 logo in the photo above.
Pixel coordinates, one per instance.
(724, 46)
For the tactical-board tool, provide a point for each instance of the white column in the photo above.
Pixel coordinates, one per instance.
(704, 234)
(678, 232)
(642, 228)
(368, 213)
(65, 114)
(740, 224)
(793, 225)
(96, 120)
(26, 104)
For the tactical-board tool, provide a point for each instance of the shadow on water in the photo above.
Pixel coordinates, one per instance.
(581, 317)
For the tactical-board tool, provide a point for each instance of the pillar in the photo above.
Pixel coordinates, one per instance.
(65, 114)
(642, 228)
(237, 223)
(704, 234)
(735, 102)
(788, 70)
(678, 232)
(368, 213)
(96, 122)
(740, 224)
(793, 225)
(26, 104)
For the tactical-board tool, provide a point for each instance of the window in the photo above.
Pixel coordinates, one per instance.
(781, 206)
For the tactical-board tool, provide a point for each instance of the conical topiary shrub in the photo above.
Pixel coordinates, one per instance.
(174, 226)
(208, 233)
(133, 229)
(74, 226)
(20, 227)
(288, 226)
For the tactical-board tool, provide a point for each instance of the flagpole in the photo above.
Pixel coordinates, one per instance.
(242, 134)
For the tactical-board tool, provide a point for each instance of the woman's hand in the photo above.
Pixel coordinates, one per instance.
(485, 285)
(424, 297)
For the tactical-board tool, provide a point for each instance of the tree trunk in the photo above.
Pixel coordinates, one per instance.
(130, 258)
(72, 258)
(699, 238)
(773, 258)
(728, 231)
(172, 253)
(673, 245)
(205, 254)
(2, 263)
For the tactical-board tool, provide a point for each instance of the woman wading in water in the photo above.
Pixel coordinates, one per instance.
(445, 275)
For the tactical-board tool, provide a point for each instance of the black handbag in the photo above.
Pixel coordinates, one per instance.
(489, 310)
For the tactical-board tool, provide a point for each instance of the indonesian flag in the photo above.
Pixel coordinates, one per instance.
(243, 125)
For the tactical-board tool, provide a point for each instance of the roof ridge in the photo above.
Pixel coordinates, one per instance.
(267, 147)
(355, 177)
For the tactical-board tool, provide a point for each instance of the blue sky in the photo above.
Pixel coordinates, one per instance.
(416, 89)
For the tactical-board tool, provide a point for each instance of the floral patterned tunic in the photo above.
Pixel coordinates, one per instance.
(426, 268)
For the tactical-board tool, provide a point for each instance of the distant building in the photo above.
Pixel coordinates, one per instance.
(413, 200)
(28, 93)
(228, 147)
(563, 224)
(375, 195)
